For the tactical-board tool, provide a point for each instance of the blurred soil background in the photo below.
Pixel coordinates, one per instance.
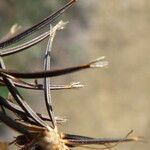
(115, 99)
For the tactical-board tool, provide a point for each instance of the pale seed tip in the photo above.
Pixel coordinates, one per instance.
(99, 63)
(15, 28)
(61, 25)
(76, 85)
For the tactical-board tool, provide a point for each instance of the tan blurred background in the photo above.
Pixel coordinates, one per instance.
(115, 100)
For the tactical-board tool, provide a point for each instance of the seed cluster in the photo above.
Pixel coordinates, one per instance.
(37, 131)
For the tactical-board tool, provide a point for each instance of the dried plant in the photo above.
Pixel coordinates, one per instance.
(35, 132)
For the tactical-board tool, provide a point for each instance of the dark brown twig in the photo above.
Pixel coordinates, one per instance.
(46, 84)
(18, 110)
(41, 74)
(37, 26)
(16, 95)
(13, 124)
(30, 43)
(35, 133)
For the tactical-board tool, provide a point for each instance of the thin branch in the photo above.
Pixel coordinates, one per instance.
(46, 84)
(21, 47)
(18, 110)
(16, 95)
(17, 80)
(71, 136)
(14, 92)
(30, 43)
(77, 140)
(33, 86)
(13, 124)
(99, 141)
(37, 26)
(41, 74)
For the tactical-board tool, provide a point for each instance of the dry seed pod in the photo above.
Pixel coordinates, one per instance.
(35, 132)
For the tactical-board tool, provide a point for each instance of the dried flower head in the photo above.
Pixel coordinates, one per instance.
(34, 130)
